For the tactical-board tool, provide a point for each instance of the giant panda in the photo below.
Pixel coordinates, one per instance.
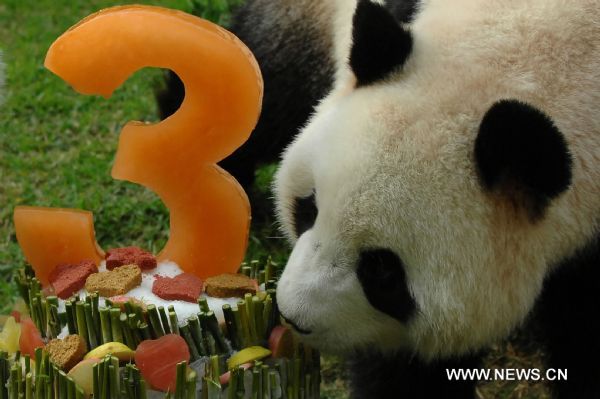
(445, 189)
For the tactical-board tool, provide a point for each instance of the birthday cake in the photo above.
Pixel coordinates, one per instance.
(193, 321)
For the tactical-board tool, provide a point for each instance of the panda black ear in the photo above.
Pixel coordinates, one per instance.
(521, 153)
(380, 44)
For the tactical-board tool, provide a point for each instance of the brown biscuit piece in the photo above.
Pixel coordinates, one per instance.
(66, 353)
(116, 282)
(229, 285)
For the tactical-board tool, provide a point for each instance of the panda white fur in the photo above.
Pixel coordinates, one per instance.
(445, 189)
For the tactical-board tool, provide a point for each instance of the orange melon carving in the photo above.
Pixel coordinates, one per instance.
(209, 211)
(50, 237)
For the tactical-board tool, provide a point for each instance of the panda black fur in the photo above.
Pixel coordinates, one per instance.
(449, 193)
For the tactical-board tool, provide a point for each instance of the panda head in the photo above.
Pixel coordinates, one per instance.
(427, 203)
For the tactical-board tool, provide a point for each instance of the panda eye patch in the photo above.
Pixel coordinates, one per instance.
(305, 213)
(383, 279)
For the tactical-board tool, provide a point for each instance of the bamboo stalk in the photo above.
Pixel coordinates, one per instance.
(251, 321)
(133, 328)
(268, 269)
(113, 379)
(71, 390)
(266, 382)
(233, 382)
(36, 315)
(267, 319)
(115, 325)
(164, 319)
(207, 339)
(43, 313)
(54, 321)
(296, 377)
(128, 307)
(246, 270)
(191, 385)
(257, 310)
(203, 304)
(196, 332)
(245, 322)
(215, 330)
(180, 380)
(50, 387)
(143, 390)
(81, 323)
(256, 383)
(13, 383)
(275, 316)
(145, 331)
(138, 310)
(45, 392)
(95, 304)
(96, 380)
(40, 386)
(275, 391)
(127, 336)
(184, 331)
(127, 387)
(62, 385)
(155, 324)
(254, 265)
(4, 374)
(105, 326)
(71, 317)
(214, 368)
(114, 363)
(232, 328)
(27, 363)
(91, 329)
(174, 322)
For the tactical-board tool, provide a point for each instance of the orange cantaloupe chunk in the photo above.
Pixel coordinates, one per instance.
(50, 237)
(176, 158)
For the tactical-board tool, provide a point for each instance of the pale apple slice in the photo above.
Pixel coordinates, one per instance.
(82, 374)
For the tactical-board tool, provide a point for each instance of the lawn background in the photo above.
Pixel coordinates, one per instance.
(57, 149)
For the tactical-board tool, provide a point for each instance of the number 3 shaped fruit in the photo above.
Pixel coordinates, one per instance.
(177, 157)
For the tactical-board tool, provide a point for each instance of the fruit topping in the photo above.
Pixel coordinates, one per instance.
(66, 279)
(115, 282)
(184, 287)
(130, 256)
(229, 285)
